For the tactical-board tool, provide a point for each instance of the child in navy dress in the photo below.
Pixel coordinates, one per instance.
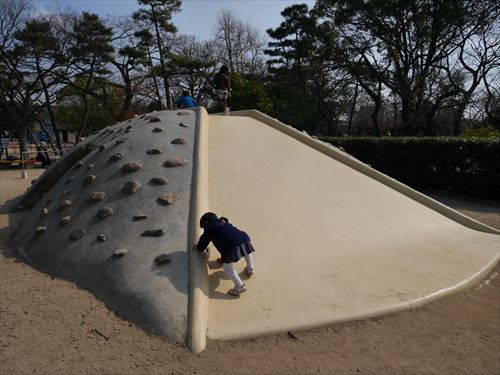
(232, 243)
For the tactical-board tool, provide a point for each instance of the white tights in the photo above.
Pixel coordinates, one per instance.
(233, 275)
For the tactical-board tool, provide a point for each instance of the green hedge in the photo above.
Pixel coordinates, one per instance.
(461, 165)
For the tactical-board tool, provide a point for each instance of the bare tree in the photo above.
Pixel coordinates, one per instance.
(13, 14)
(20, 90)
(411, 37)
(239, 44)
(492, 103)
(196, 62)
(478, 55)
(90, 50)
(130, 58)
(157, 14)
(42, 47)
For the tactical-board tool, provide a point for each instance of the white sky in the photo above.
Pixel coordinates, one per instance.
(197, 17)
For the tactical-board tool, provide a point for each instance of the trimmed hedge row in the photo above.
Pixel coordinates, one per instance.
(461, 165)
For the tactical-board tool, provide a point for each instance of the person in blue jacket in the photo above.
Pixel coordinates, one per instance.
(186, 101)
(232, 243)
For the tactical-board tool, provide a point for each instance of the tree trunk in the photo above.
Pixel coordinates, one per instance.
(353, 107)
(128, 95)
(52, 118)
(395, 104)
(374, 117)
(167, 91)
(84, 119)
(457, 120)
(459, 114)
(492, 118)
(155, 83)
(405, 116)
(22, 133)
(430, 123)
(55, 128)
(163, 70)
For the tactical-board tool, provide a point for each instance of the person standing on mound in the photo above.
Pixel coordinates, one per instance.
(232, 243)
(222, 86)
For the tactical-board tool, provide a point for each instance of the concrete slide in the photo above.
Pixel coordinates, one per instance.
(335, 240)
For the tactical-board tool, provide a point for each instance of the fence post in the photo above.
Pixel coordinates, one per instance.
(24, 171)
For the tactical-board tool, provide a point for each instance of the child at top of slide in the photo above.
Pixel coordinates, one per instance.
(232, 243)
(222, 85)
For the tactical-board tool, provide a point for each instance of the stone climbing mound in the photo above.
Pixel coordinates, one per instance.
(116, 222)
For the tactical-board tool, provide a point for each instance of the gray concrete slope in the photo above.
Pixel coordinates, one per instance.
(133, 285)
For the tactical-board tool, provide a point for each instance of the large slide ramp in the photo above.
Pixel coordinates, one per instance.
(335, 240)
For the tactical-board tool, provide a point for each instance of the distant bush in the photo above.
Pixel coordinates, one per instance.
(485, 132)
(461, 165)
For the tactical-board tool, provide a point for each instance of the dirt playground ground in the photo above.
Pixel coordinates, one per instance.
(49, 326)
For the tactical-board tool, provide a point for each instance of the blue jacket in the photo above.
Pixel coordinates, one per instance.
(186, 102)
(224, 236)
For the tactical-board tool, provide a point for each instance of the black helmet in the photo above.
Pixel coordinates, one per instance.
(207, 218)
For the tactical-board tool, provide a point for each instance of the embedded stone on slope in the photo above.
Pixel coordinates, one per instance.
(96, 196)
(162, 259)
(65, 220)
(117, 156)
(118, 253)
(175, 162)
(89, 179)
(154, 233)
(168, 199)
(77, 234)
(179, 141)
(65, 204)
(154, 151)
(40, 229)
(131, 167)
(159, 180)
(104, 212)
(131, 187)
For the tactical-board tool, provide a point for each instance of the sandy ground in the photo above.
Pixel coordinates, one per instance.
(49, 326)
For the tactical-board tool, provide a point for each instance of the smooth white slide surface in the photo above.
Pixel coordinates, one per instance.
(332, 244)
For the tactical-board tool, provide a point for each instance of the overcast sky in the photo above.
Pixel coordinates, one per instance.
(197, 17)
